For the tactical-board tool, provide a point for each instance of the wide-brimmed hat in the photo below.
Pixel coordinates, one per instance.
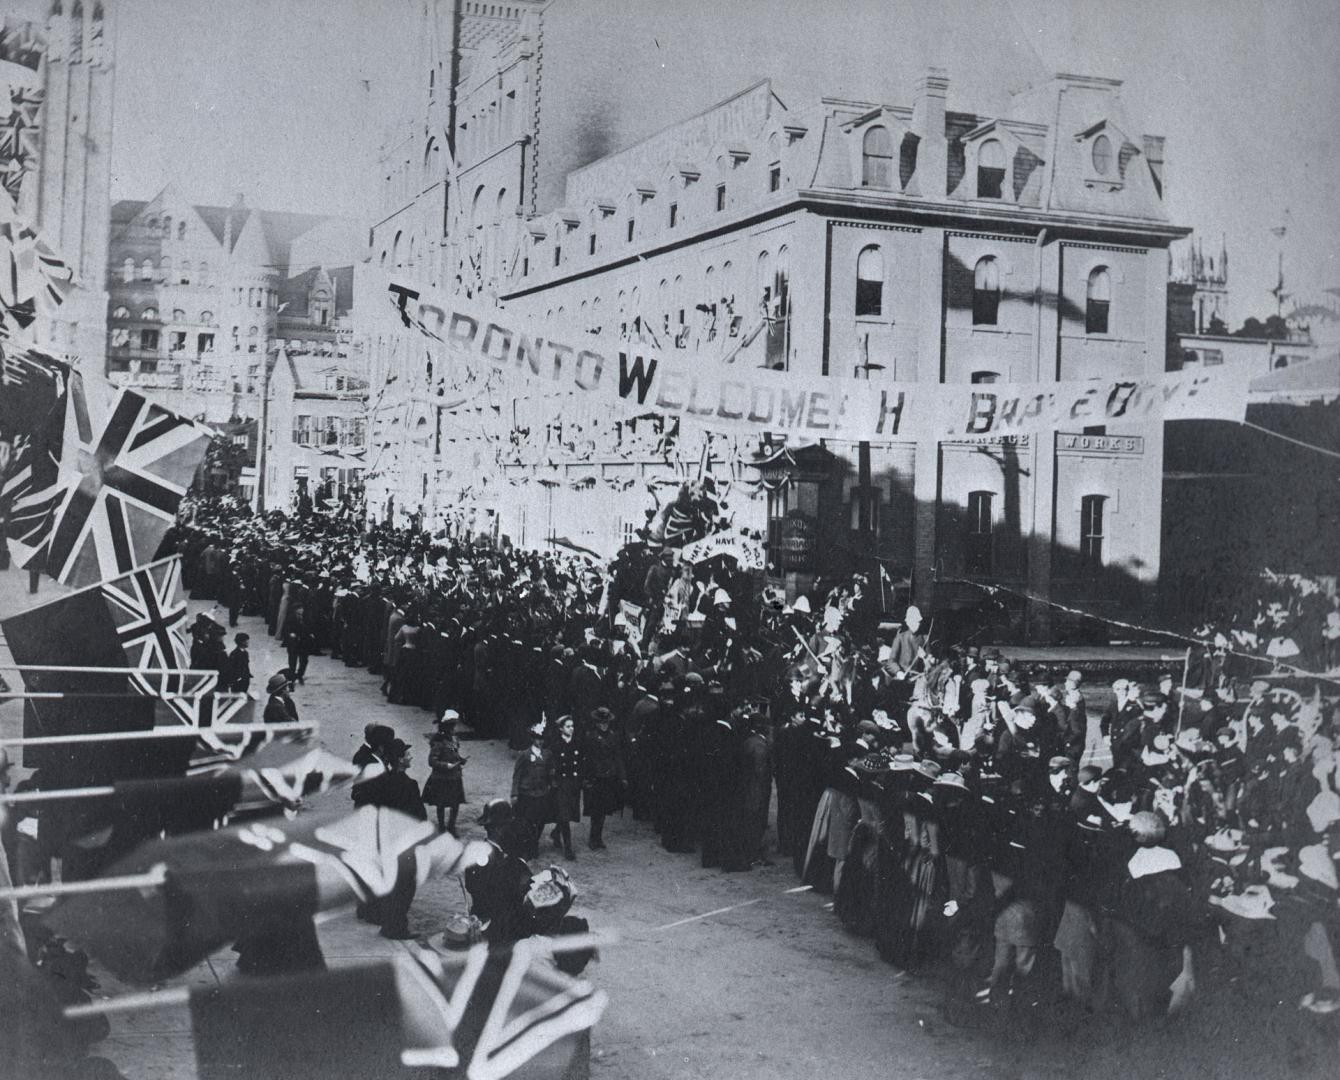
(277, 682)
(951, 780)
(450, 716)
(602, 715)
(496, 812)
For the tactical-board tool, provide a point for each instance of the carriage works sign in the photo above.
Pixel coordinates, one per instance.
(706, 390)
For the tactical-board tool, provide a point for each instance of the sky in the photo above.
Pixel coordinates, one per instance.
(282, 100)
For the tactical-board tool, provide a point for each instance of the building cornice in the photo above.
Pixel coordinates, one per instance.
(1001, 223)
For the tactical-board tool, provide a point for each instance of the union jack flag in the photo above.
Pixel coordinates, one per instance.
(150, 617)
(124, 468)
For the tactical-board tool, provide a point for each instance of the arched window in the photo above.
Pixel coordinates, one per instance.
(252, 331)
(147, 270)
(990, 169)
(877, 158)
(181, 230)
(977, 533)
(184, 272)
(870, 281)
(985, 292)
(165, 267)
(178, 315)
(167, 226)
(121, 312)
(207, 317)
(1091, 513)
(1097, 301)
(149, 314)
(128, 269)
(202, 274)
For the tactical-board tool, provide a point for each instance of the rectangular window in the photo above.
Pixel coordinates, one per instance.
(177, 341)
(204, 343)
(980, 377)
(977, 533)
(149, 340)
(775, 178)
(1211, 357)
(631, 226)
(1091, 528)
(591, 244)
(332, 431)
(674, 214)
(525, 266)
(302, 430)
(1095, 316)
(558, 254)
(721, 196)
(869, 297)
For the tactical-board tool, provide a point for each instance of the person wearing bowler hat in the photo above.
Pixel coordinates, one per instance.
(394, 790)
(533, 788)
(236, 676)
(445, 787)
(497, 886)
(279, 708)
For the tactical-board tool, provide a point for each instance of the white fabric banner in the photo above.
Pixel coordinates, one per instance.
(751, 400)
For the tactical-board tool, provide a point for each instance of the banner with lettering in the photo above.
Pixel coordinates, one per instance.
(746, 551)
(751, 400)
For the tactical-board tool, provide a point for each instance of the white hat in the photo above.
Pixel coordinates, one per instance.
(802, 605)
(721, 596)
(912, 612)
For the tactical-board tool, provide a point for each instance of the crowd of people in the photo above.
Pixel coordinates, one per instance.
(1037, 836)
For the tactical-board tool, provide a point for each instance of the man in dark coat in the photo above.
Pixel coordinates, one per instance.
(280, 708)
(236, 676)
(395, 790)
(753, 791)
(498, 888)
(376, 738)
(533, 788)
(604, 776)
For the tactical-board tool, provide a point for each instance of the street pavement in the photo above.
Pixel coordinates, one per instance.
(740, 976)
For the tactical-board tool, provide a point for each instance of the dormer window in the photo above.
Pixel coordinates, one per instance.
(990, 169)
(1101, 155)
(877, 158)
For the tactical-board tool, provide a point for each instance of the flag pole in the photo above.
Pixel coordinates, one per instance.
(154, 879)
(177, 995)
(14, 797)
(1181, 698)
(161, 733)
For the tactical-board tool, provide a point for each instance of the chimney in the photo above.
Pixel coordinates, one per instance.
(928, 123)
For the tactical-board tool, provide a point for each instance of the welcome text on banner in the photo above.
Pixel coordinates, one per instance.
(751, 401)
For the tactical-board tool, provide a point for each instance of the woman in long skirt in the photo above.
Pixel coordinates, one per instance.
(445, 786)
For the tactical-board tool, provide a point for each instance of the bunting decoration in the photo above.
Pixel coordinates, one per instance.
(34, 390)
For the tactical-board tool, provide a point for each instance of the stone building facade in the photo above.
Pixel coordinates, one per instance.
(57, 59)
(200, 296)
(835, 238)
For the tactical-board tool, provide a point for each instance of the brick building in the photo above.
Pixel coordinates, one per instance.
(200, 296)
(1017, 236)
